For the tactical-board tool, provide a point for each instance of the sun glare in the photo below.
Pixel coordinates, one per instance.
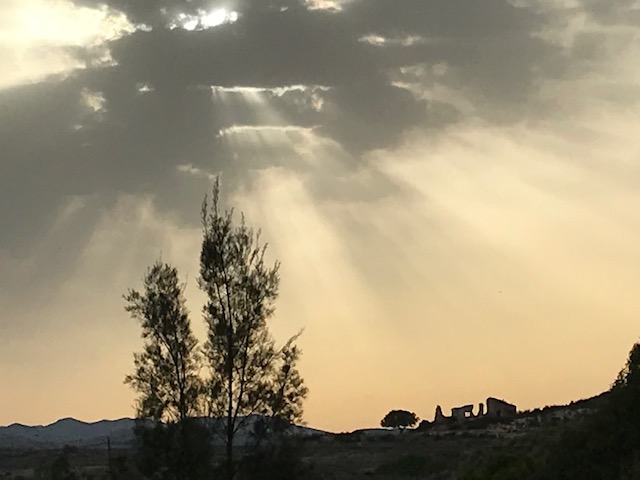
(218, 17)
(330, 5)
(204, 20)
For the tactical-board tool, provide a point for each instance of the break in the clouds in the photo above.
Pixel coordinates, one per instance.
(38, 38)
(127, 125)
(389, 149)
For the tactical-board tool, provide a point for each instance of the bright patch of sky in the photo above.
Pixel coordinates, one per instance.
(35, 36)
(204, 20)
(143, 88)
(190, 169)
(335, 5)
(94, 101)
(277, 91)
(380, 41)
(238, 129)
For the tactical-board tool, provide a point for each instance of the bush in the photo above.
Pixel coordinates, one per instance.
(410, 466)
(61, 466)
(174, 450)
(280, 459)
(502, 467)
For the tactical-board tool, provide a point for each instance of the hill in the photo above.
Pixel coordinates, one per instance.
(69, 431)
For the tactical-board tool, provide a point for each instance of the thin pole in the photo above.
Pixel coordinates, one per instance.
(109, 458)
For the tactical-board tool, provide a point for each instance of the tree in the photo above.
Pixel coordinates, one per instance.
(604, 444)
(167, 370)
(166, 377)
(174, 450)
(629, 376)
(61, 466)
(399, 419)
(248, 375)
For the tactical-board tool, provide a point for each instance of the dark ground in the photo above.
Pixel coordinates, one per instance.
(435, 454)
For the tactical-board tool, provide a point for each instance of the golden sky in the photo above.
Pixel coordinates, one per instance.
(493, 253)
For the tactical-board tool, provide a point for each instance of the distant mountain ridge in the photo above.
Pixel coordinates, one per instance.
(69, 431)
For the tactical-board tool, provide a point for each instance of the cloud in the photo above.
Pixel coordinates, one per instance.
(392, 152)
(264, 90)
(35, 38)
(612, 13)
(276, 88)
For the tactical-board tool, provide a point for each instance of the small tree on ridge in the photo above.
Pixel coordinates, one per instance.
(399, 419)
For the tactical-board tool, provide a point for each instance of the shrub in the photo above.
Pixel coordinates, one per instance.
(410, 466)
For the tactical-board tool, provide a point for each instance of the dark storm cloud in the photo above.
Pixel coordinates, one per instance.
(388, 111)
(155, 120)
(442, 18)
(613, 13)
(271, 49)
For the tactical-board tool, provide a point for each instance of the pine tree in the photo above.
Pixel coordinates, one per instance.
(171, 443)
(248, 374)
(167, 370)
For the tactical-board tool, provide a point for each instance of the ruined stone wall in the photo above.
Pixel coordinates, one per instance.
(500, 409)
(495, 408)
(462, 413)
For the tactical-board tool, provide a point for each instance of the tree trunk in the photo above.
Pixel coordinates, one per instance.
(229, 468)
(230, 423)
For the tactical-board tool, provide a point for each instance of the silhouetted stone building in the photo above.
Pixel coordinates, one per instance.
(462, 413)
(495, 409)
(500, 409)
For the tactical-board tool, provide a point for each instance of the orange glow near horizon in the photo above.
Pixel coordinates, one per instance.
(475, 261)
(477, 286)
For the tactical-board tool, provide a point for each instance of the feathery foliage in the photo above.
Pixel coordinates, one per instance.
(249, 375)
(167, 370)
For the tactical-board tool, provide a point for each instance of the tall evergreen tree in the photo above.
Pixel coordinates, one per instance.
(167, 370)
(174, 445)
(248, 374)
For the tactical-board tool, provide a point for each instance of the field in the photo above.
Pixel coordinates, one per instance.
(436, 454)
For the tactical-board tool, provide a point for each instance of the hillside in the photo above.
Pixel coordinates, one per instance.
(69, 431)
(543, 444)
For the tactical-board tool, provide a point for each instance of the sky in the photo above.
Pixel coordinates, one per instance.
(452, 188)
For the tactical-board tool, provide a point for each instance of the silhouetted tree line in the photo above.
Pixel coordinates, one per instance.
(603, 445)
(61, 466)
(249, 384)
